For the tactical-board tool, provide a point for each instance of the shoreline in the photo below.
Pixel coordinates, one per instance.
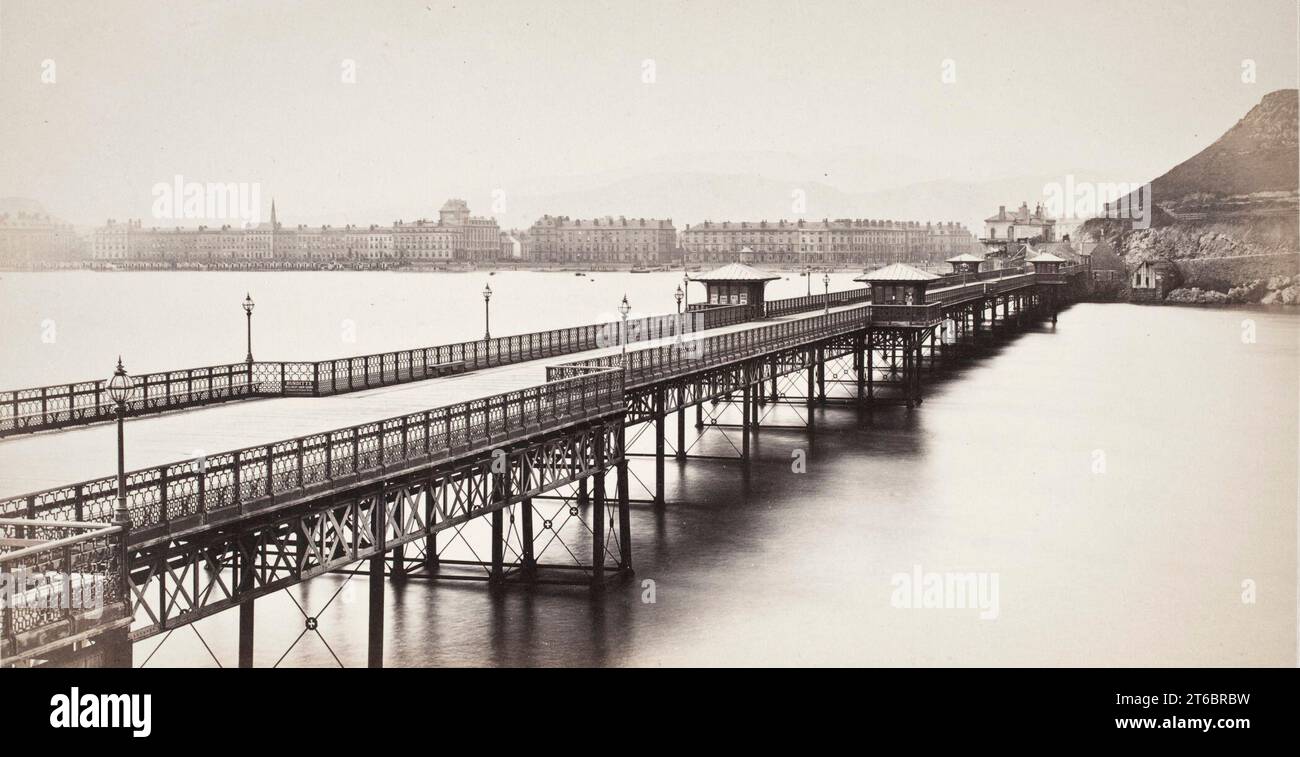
(694, 268)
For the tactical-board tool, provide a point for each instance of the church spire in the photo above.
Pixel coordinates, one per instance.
(274, 225)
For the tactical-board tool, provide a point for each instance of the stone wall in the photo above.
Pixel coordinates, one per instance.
(1222, 274)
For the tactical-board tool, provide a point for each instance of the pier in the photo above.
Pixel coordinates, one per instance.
(318, 475)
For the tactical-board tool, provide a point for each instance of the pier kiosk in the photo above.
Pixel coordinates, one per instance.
(965, 263)
(1045, 262)
(897, 284)
(733, 284)
(1047, 269)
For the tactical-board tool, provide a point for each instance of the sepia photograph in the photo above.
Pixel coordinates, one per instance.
(524, 334)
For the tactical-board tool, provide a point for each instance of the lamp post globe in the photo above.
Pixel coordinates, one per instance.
(679, 295)
(119, 385)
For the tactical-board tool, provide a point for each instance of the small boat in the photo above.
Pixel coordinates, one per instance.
(492, 273)
(579, 273)
(639, 269)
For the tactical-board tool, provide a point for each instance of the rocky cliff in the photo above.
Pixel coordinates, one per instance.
(1236, 199)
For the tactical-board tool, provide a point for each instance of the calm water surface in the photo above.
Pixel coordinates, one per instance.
(1121, 473)
(71, 326)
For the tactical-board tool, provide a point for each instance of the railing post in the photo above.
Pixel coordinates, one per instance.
(239, 494)
(201, 504)
(6, 623)
(65, 560)
(163, 517)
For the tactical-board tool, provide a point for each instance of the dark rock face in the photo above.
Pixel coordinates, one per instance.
(1275, 290)
(1194, 296)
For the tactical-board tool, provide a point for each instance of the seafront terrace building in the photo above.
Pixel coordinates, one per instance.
(35, 239)
(607, 241)
(844, 243)
(455, 236)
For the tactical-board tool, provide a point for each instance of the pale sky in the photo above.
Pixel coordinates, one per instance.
(531, 96)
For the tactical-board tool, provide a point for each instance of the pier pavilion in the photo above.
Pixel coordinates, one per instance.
(734, 284)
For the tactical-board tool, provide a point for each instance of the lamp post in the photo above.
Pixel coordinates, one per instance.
(807, 275)
(686, 288)
(826, 285)
(679, 295)
(487, 315)
(623, 309)
(248, 314)
(120, 388)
